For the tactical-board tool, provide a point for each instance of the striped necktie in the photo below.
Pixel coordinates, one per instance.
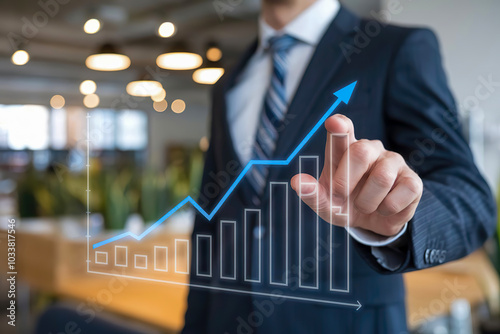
(273, 113)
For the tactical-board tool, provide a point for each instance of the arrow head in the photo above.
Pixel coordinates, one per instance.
(359, 305)
(344, 94)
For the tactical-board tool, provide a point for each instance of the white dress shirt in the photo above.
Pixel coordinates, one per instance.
(246, 99)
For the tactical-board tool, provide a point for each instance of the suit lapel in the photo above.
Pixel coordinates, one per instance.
(325, 62)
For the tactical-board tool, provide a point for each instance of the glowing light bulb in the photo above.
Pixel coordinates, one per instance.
(160, 106)
(20, 57)
(214, 54)
(92, 26)
(178, 106)
(160, 96)
(91, 101)
(208, 75)
(57, 102)
(179, 61)
(166, 29)
(144, 88)
(107, 62)
(88, 87)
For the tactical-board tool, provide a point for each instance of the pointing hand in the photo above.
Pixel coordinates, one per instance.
(383, 192)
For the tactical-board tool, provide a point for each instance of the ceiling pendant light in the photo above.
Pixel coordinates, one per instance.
(20, 57)
(166, 29)
(88, 87)
(178, 106)
(108, 59)
(144, 86)
(160, 96)
(213, 52)
(211, 71)
(91, 101)
(179, 58)
(57, 102)
(92, 26)
(208, 75)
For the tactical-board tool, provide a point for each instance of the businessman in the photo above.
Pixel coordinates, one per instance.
(416, 198)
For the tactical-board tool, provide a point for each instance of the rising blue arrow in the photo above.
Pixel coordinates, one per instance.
(343, 95)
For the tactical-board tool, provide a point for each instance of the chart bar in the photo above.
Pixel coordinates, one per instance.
(161, 258)
(278, 233)
(140, 261)
(181, 257)
(227, 249)
(101, 257)
(252, 239)
(121, 256)
(308, 228)
(339, 278)
(204, 255)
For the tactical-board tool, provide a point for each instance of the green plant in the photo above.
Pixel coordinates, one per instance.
(154, 195)
(47, 194)
(114, 192)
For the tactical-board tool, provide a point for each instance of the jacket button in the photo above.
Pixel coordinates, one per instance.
(427, 259)
(434, 256)
(442, 256)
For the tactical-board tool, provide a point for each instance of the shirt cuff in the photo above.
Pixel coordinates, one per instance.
(369, 238)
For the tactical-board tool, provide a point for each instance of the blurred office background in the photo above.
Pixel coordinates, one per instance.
(148, 133)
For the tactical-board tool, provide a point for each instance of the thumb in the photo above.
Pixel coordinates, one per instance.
(312, 193)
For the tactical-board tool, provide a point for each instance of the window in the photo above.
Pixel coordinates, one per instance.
(132, 130)
(102, 129)
(58, 129)
(34, 127)
(24, 127)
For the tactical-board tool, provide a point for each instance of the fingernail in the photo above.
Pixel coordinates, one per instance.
(341, 118)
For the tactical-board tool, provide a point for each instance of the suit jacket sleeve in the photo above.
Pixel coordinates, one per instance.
(457, 212)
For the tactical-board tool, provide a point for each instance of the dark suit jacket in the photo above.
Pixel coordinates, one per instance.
(402, 98)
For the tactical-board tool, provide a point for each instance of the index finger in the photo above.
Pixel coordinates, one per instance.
(340, 135)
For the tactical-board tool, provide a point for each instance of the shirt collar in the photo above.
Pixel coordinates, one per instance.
(308, 27)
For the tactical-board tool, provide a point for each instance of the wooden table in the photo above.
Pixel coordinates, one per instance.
(51, 263)
(158, 304)
(431, 292)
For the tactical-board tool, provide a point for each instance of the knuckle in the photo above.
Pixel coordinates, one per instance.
(413, 184)
(378, 144)
(395, 158)
(360, 151)
(383, 177)
(364, 206)
(390, 207)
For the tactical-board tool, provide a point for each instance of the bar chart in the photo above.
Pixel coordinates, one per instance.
(258, 251)
(263, 242)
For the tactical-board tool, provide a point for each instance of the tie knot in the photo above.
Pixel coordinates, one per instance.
(282, 43)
